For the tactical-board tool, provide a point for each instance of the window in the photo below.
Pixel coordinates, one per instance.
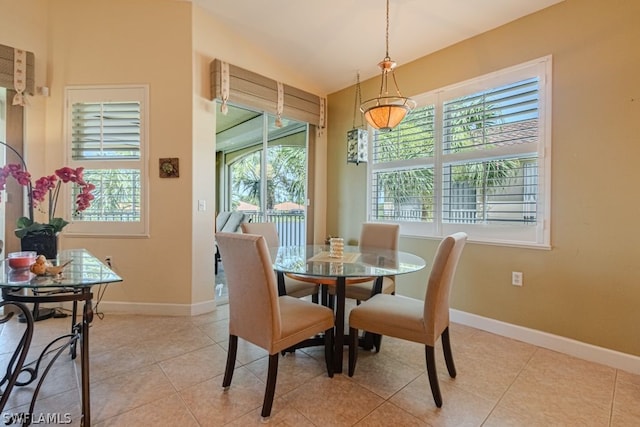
(107, 135)
(472, 157)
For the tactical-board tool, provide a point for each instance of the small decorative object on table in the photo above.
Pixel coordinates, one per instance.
(336, 247)
(42, 267)
(21, 260)
(40, 237)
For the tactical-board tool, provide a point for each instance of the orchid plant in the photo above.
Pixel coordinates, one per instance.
(45, 191)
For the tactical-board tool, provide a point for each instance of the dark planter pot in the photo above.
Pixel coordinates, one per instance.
(43, 244)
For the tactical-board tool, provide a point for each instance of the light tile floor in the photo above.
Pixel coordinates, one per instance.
(167, 371)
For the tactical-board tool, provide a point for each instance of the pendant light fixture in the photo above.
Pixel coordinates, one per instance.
(357, 137)
(386, 111)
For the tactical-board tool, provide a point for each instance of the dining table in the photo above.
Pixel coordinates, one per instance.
(317, 264)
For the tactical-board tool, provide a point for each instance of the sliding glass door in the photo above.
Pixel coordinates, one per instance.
(262, 170)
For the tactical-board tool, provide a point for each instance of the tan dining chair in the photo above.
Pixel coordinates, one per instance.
(258, 315)
(376, 236)
(293, 287)
(412, 319)
(227, 221)
(372, 236)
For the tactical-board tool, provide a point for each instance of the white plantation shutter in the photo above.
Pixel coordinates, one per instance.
(107, 128)
(413, 138)
(497, 131)
(497, 117)
(472, 157)
(402, 163)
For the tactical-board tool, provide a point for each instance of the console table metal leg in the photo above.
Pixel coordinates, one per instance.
(87, 317)
(16, 362)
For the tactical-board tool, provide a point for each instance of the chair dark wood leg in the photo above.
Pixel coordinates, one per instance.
(231, 361)
(377, 342)
(353, 350)
(282, 290)
(448, 356)
(314, 298)
(366, 341)
(216, 260)
(433, 375)
(271, 386)
(328, 351)
(371, 341)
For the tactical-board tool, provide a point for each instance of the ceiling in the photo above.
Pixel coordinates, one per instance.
(329, 41)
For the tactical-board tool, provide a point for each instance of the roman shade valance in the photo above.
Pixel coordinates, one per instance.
(7, 55)
(243, 87)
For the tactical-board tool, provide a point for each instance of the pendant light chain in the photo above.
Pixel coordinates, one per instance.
(384, 84)
(387, 111)
(387, 33)
(357, 103)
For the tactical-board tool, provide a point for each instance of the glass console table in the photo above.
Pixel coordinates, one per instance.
(74, 285)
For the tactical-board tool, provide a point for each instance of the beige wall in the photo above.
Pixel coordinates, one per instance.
(97, 43)
(588, 286)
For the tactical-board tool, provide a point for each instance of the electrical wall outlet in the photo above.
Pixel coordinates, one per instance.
(516, 278)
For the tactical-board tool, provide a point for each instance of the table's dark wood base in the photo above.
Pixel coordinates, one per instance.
(368, 341)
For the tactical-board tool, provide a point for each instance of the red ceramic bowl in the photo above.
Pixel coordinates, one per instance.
(21, 259)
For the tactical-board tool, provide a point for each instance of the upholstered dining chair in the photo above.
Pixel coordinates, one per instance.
(412, 319)
(227, 221)
(377, 236)
(293, 287)
(257, 314)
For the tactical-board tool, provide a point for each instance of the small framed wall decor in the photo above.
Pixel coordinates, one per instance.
(169, 167)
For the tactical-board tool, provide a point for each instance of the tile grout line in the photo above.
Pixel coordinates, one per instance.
(613, 396)
(510, 385)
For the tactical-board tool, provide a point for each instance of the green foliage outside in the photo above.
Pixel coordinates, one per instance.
(286, 177)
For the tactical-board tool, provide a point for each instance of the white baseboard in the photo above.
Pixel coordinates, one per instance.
(157, 309)
(615, 359)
